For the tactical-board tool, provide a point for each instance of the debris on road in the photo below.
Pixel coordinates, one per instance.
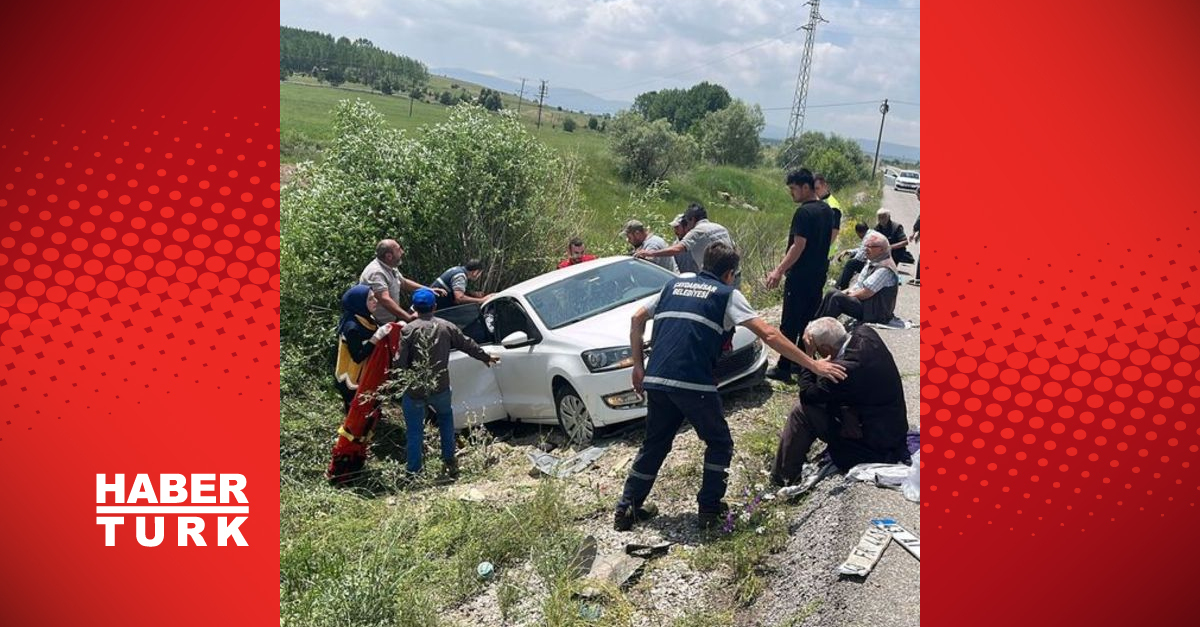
(827, 468)
(547, 464)
(902, 536)
(866, 553)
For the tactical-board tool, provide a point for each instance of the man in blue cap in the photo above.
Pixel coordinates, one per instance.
(425, 346)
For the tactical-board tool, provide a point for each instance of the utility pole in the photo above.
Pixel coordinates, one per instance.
(410, 104)
(541, 98)
(800, 101)
(521, 96)
(883, 109)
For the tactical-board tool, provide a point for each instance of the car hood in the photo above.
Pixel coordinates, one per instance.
(611, 328)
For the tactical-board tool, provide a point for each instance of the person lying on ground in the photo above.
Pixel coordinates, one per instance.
(863, 418)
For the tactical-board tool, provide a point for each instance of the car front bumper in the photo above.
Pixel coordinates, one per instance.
(619, 381)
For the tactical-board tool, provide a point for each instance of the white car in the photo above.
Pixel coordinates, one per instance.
(908, 179)
(563, 343)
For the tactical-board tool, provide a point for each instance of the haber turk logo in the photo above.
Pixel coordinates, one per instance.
(200, 505)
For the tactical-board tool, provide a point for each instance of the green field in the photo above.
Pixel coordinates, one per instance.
(305, 113)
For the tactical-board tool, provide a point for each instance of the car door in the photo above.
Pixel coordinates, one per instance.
(521, 373)
(476, 397)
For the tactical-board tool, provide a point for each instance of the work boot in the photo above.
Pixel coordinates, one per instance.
(779, 374)
(626, 514)
(712, 521)
(451, 466)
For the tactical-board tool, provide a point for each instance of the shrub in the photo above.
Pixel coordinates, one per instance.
(729, 136)
(649, 151)
(569, 125)
(477, 185)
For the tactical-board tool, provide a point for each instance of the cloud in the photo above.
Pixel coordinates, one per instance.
(868, 50)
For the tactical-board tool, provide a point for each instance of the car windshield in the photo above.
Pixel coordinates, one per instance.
(911, 175)
(587, 294)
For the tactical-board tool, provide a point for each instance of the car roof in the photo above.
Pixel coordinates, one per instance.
(910, 173)
(555, 276)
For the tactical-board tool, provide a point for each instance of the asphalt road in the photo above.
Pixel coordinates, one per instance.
(833, 519)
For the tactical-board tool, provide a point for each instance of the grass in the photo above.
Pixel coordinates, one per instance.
(398, 552)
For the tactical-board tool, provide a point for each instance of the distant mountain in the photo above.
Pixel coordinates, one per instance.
(565, 97)
(775, 134)
(888, 149)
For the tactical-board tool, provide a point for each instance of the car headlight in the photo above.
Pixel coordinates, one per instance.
(603, 359)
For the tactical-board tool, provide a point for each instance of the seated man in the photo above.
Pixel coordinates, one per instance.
(857, 258)
(872, 298)
(863, 419)
(894, 232)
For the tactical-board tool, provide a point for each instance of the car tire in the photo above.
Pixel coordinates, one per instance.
(573, 415)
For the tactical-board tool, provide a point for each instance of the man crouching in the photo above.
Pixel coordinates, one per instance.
(862, 418)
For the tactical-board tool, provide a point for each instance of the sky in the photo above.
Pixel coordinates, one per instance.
(616, 49)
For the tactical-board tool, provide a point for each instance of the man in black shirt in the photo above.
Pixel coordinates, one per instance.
(805, 265)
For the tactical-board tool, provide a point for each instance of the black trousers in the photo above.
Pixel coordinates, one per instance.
(801, 300)
(666, 412)
(836, 303)
(805, 424)
(852, 267)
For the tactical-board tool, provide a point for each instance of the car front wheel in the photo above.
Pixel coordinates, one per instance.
(573, 416)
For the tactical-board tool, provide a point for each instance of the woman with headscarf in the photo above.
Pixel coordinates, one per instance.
(872, 297)
(365, 349)
(356, 339)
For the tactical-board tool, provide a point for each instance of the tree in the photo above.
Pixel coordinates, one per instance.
(375, 182)
(490, 99)
(569, 125)
(446, 98)
(729, 136)
(649, 151)
(593, 123)
(284, 73)
(840, 159)
(334, 76)
(682, 108)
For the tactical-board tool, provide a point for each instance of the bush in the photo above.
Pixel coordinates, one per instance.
(649, 151)
(593, 124)
(729, 136)
(477, 185)
(840, 159)
(569, 125)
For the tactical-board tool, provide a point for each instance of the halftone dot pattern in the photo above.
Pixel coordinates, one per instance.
(1062, 383)
(124, 266)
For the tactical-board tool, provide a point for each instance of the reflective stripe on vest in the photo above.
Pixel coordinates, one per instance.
(688, 334)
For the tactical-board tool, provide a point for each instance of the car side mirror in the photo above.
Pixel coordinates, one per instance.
(516, 339)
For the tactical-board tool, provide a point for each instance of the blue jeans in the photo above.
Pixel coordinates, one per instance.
(414, 426)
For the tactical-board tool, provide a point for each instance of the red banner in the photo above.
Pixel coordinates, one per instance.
(139, 313)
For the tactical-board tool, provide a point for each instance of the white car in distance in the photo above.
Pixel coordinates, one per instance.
(563, 343)
(908, 180)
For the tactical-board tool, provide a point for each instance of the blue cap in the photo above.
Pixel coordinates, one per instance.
(424, 299)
